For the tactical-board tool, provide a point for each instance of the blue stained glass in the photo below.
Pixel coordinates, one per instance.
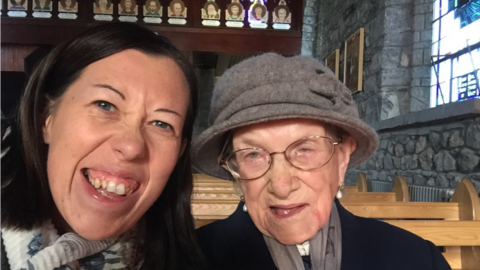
(468, 13)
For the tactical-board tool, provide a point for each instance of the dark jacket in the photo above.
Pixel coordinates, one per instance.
(235, 243)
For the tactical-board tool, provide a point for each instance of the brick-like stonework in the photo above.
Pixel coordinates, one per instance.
(397, 51)
(310, 27)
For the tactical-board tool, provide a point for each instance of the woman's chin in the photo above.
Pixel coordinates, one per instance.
(293, 237)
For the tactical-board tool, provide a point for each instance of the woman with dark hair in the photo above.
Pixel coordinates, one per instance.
(95, 166)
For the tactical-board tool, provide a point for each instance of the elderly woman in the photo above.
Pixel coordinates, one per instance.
(95, 166)
(286, 131)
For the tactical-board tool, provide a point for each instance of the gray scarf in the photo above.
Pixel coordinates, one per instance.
(325, 248)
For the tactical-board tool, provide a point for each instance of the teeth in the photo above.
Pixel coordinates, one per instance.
(120, 189)
(108, 186)
(97, 183)
(111, 187)
(286, 212)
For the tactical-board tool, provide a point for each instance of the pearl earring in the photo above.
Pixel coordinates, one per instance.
(340, 191)
(244, 205)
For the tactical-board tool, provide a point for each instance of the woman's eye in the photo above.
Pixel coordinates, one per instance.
(106, 106)
(162, 125)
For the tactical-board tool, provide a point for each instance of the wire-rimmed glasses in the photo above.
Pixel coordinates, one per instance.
(306, 154)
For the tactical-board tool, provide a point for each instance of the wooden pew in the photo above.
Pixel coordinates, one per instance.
(458, 227)
(359, 193)
(213, 199)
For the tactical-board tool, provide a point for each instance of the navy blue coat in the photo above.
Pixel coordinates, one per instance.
(235, 243)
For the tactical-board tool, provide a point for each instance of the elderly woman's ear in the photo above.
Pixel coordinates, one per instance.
(342, 152)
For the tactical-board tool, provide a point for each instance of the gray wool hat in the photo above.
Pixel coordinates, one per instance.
(270, 87)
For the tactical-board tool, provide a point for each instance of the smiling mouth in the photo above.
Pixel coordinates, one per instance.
(286, 211)
(107, 188)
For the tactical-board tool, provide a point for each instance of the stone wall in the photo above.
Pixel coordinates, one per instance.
(310, 27)
(439, 153)
(395, 83)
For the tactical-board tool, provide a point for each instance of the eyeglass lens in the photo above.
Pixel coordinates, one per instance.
(305, 154)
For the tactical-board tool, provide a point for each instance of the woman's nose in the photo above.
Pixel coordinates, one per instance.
(130, 144)
(280, 177)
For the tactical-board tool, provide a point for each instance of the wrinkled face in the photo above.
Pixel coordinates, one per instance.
(114, 139)
(211, 10)
(258, 13)
(286, 203)
(177, 9)
(128, 4)
(235, 10)
(282, 14)
(152, 7)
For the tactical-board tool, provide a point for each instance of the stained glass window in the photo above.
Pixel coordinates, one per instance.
(455, 70)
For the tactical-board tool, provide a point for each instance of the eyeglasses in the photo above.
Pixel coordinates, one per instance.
(306, 154)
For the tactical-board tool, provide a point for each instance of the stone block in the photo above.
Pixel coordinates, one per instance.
(426, 82)
(383, 144)
(416, 82)
(421, 72)
(382, 176)
(417, 59)
(307, 48)
(403, 139)
(388, 162)
(422, 44)
(418, 22)
(399, 150)
(410, 147)
(420, 144)
(444, 162)
(391, 148)
(423, 9)
(473, 135)
(398, 39)
(396, 77)
(391, 57)
(426, 35)
(397, 162)
(398, 19)
(307, 28)
(416, 36)
(456, 139)
(467, 160)
(309, 20)
(425, 159)
(391, 105)
(420, 98)
(388, 3)
(429, 20)
(419, 179)
(442, 181)
(308, 11)
(411, 162)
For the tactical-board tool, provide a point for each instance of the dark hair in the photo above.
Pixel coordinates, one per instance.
(26, 198)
